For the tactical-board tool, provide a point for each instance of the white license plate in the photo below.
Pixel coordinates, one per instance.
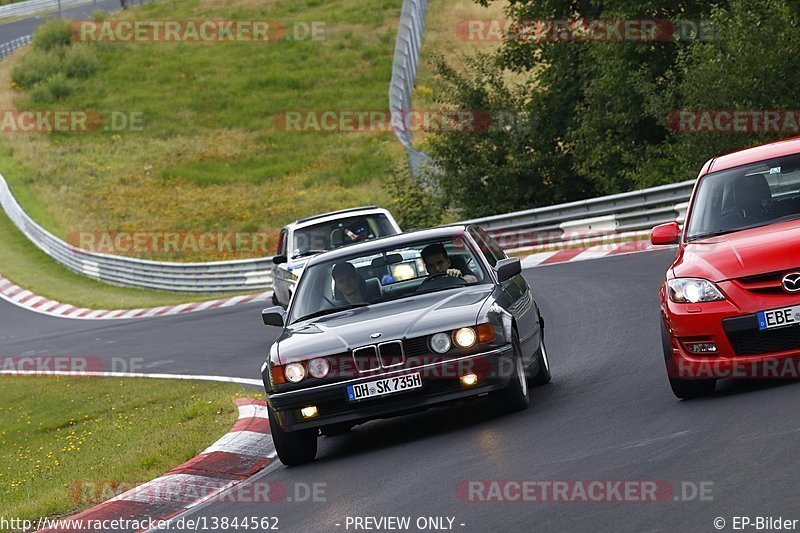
(776, 318)
(380, 387)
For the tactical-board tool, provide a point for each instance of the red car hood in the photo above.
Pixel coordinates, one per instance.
(770, 248)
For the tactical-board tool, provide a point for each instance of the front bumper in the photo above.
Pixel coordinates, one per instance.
(440, 384)
(742, 349)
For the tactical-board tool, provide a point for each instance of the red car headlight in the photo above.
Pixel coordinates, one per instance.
(693, 290)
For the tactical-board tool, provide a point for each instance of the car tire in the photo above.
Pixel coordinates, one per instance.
(542, 377)
(515, 397)
(275, 299)
(685, 389)
(293, 447)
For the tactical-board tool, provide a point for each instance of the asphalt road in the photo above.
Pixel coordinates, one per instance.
(607, 415)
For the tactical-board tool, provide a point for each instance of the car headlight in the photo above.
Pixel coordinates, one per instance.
(465, 337)
(440, 342)
(319, 368)
(295, 372)
(693, 290)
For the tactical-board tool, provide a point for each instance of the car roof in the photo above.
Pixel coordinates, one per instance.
(754, 155)
(334, 215)
(375, 245)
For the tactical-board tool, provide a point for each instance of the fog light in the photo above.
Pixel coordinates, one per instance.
(701, 347)
(309, 412)
(468, 380)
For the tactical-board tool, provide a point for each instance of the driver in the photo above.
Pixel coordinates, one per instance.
(349, 283)
(437, 262)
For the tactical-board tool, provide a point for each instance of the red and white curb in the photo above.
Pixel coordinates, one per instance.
(241, 453)
(26, 299)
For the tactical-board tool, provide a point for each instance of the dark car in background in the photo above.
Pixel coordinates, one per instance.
(399, 324)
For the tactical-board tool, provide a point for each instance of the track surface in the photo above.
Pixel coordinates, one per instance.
(607, 415)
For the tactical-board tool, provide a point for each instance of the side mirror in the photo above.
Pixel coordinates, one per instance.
(508, 268)
(274, 316)
(665, 234)
(278, 259)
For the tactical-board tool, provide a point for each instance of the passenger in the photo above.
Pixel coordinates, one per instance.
(438, 262)
(349, 283)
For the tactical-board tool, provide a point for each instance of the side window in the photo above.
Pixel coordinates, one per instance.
(282, 242)
(484, 246)
(493, 246)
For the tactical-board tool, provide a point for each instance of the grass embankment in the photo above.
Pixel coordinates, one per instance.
(210, 156)
(60, 436)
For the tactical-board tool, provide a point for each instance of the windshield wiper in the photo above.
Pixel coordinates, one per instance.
(323, 312)
(707, 234)
(307, 253)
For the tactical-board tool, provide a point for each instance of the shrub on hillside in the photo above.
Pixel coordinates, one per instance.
(52, 34)
(80, 61)
(37, 66)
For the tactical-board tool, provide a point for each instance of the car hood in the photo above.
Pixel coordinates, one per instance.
(405, 318)
(744, 253)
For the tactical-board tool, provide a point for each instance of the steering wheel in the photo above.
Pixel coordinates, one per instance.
(441, 280)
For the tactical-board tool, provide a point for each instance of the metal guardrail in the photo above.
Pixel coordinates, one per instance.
(217, 276)
(617, 213)
(9, 47)
(31, 7)
(404, 74)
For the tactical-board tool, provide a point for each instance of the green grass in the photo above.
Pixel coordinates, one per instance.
(58, 432)
(210, 156)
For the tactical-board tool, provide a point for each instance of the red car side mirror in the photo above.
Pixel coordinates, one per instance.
(665, 234)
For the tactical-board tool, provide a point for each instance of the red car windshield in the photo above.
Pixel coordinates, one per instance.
(746, 197)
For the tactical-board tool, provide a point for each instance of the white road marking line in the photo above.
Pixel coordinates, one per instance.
(221, 379)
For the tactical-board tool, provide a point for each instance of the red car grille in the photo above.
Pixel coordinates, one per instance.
(769, 283)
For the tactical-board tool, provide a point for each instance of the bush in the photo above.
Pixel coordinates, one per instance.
(80, 61)
(52, 34)
(412, 207)
(59, 86)
(37, 66)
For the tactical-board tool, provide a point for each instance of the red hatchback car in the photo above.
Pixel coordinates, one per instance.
(731, 300)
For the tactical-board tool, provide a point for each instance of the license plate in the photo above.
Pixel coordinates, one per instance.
(776, 318)
(380, 387)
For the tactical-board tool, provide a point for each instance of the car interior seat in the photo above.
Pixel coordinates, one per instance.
(752, 193)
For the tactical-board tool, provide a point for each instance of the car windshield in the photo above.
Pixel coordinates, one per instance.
(746, 197)
(391, 273)
(335, 233)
